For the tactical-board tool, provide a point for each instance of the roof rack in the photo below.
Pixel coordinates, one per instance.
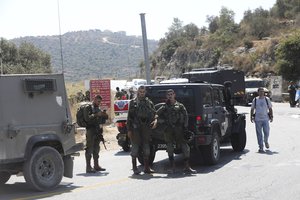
(219, 67)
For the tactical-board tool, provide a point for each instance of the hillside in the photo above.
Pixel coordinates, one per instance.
(255, 45)
(93, 53)
(263, 43)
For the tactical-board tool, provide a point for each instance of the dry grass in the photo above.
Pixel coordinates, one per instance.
(73, 88)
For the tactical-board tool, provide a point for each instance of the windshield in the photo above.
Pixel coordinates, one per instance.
(183, 95)
(254, 84)
(142, 83)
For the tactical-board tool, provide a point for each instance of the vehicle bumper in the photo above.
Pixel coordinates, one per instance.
(202, 139)
(74, 149)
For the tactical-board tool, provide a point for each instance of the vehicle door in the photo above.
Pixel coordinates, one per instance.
(220, 113)
(207, 104)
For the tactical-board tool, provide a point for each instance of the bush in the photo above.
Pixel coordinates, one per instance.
(248, 44)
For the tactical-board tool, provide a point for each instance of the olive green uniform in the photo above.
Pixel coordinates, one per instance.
(119, 95)
(176, 121)
(140, 115)
(93, 131)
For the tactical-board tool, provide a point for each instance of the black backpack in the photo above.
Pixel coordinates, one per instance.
(79, 115)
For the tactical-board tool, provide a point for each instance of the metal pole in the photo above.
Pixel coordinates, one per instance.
(1, 61)
(145, 43)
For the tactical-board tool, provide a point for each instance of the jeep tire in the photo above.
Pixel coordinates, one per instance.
(238, 140)
(4, 177)
(211, 152)
(126, 145)
(151, 157)
(44, 169)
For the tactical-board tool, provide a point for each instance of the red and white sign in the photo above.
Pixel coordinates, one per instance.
(102, 88)
(121, 106)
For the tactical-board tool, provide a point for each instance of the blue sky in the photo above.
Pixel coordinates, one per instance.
(40, 17)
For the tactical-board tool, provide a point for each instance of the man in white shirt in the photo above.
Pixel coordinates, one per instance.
(261, 114)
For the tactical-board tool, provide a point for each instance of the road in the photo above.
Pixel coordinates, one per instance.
(248, 175)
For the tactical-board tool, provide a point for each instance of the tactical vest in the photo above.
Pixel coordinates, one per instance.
(143, 110)
(95, 121)
(175, 114)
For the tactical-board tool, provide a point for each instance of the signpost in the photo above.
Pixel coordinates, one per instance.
(276, 88)
(101, 87)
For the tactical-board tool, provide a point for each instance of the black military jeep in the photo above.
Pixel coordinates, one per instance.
(212, 118)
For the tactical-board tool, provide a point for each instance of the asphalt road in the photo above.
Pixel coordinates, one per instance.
(247, 175)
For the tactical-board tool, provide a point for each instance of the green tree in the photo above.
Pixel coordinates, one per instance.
(286, 9)
(288, 60)
(9, 52)
(226, 31)
(190, 31)
(258, 23)
(212, 23)
(226, 20)
(25, 59)
(175, 30)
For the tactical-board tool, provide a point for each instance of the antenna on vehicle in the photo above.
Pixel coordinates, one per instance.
(60, 38)
(61, 55)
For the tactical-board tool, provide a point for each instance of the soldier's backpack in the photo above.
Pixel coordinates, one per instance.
(79, 115)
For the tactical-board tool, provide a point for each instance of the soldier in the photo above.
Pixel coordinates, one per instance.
(175, 116)
(119, 94)
(87, 95)
(141, 119)
(94, 118)
(131, 93)
(292, 88)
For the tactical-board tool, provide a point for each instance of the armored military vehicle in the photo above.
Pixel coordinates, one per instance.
(37, 136)
(219, 75)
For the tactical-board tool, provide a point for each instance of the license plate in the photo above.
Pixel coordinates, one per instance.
(162, 146)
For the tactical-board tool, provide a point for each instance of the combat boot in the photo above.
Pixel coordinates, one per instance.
(136, 171)
(147, 169)
(97, 167)
(187, 169)
(89, 168)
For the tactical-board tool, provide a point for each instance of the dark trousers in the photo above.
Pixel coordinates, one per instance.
(92, 143)
(175, 135)
(292, 98)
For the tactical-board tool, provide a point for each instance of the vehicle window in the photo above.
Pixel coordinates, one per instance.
(217, 97)
(183, 95)
(142, 83)
(222, 96)
(254, 84)
(206, 97)
(186, 97)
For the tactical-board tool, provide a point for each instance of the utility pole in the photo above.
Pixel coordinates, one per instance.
(145, 44)
(1, 61)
